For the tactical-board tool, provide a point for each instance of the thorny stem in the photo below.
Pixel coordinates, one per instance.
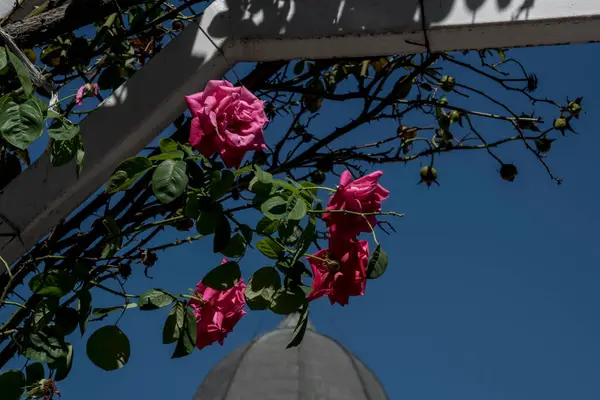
(395, 214)
(8, 271)
(176, 243)
(107, 289)
(318, 188)
(187, 296)
(13, 303)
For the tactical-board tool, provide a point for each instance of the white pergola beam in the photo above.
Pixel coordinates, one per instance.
(266, 30)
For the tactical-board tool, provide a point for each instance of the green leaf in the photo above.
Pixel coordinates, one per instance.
(284, 266)
(308, 235)
(289, 232)
(223, 277)
(169, 180)
(221, 183)
(63, 151)
(168, 145)
(34, 372)
(286, 301)
(192, 205)
(270, 248)
(44, 348)
(187, 149)
(174, 323)
(300, 329)
(84, 307)
(126, 173)
(501, 54)
(246, 232)
(222, 234)
(115, 240)
(261, 287)
(243, 170)
(52, 55)
(108, 348)
(44, 312)
(262, 176)
(174, 155)
(263, 192)
(306, 289)
(296, 208)
(43, 106)
(236, 247)
(110, 20)
(111, 225)
(22, 73)
(3, 58)
(66, 320)
(104, 311)
(79, 159)
(286, 186)
(207, 222)
(309, 191)
(267, 226)
(11, 384)
(154, 299)
(63, 365)
(187, 339)
(274, 208)
(21, 124)
(378, 263)
(52, 283)
(62, 129)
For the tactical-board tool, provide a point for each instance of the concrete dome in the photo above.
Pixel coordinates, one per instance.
(319, 369)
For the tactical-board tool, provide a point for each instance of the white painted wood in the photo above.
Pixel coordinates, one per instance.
(26, 6)
(5, 7)
(261, 30)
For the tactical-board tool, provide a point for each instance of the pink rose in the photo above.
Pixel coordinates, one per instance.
(87, 90)
(343, 275)
(362, 195)
(217, 313)
(227, 120)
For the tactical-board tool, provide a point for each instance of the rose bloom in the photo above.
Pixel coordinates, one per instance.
(344, 274)
(362, 195)
(87, 90)
(217, 313)
(227, 120)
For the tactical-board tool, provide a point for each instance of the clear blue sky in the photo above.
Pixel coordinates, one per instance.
(492, 288)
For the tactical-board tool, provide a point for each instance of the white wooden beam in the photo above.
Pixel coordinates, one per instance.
(263, 30)
(25, 7)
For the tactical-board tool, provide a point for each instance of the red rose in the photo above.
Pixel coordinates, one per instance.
(217, 313)
(363, 195)
(227, 120)
(340, 273)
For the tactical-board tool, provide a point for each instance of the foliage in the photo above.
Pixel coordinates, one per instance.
(174, 187)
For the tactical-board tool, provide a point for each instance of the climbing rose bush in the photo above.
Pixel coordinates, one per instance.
(218, 312)
(362, 195)
(341, 271)
(194, 190)
(227, 120)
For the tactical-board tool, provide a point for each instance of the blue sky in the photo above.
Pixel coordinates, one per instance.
(491, 291)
